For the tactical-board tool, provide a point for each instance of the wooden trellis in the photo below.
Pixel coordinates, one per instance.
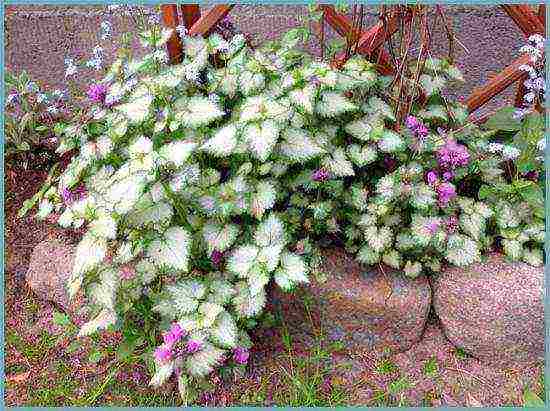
(370, 42)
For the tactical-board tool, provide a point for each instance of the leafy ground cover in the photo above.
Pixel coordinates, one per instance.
(47, 366)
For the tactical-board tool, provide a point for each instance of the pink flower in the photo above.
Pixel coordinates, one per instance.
(412, 122)
(216, 257)
(390, 163)
(416, 127)
(174, 335)
(240, 355)
(97, 93)
(193, 346)
(452, 155)
(446, 192)
(422, 131)
(452, 224)
(127, 273)
(69, 196)
(431, 177)
(432, 227)
(320, 175)
(532, 175)
(448, 175)
(163, 353)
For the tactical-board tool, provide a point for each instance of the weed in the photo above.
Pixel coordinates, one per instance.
(431, 367)
(386, 366)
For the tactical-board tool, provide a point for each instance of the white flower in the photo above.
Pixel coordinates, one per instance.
(97, 50)
(529, 97)
(510, 153)
(59, 94)
(537, 39)
(113, 7)
(70, 69)
(541, 145)
(95, 63)
(495, 147)
(526, 67)
(31, 87)
(11, 98)
(105, 30)
(142, 145)
(53, 110)
(182, 30)
(154, 19)
(520, 112)
(532, 51)
(41, 97)
(539, 83)
(192, 73)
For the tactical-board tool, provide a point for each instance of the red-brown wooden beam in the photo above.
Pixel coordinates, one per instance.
(205, 24)
(525, 18)
(375, 37)
(338, 22)
(343, 27)
(170, 19)
(190, 14)
(508, 76)
(542, 14)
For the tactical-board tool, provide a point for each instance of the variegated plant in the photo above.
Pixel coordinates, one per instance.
(182, 168)
(208, 179)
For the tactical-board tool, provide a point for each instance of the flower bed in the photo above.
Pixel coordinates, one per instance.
(201, 183)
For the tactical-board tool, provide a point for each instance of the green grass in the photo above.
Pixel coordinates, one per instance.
(460, 353)
(394, 396)
(386, 366)
(306, 381)
(431, 367)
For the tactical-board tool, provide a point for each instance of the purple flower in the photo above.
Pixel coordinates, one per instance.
(67, 195)
(421, 131)
(446, 192)
(127, 272)
(452, 224)
(163, 353)
(432, 227)
(431, 177)
(532, 175)
(452, 155)
(320, 175)
(192, 346)
(12, 98)
(390, 163)
(448, 175)
(97, 93)
(216, 257)
(174, 335)
(412, 123)
(416, 127)
(240, 355)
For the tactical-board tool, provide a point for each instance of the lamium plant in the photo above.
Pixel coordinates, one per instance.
(199, 184)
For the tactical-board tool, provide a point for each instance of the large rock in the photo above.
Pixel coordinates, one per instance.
(365, 309)
(493, 310)
(50, 265)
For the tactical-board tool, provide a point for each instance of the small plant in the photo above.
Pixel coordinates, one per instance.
(30, 115)
(386, 366)
(431, 367)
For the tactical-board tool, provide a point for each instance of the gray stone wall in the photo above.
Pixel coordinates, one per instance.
(38, 38)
